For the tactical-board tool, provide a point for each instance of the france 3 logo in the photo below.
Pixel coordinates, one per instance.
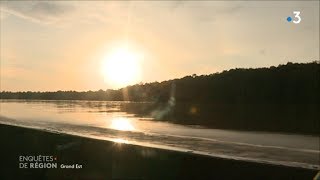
(296, 19)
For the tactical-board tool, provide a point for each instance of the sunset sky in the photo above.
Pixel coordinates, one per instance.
(76, 45)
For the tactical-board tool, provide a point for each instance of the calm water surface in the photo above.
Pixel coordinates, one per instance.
(105, 120)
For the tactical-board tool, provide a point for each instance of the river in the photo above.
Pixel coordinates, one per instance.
(107, 120)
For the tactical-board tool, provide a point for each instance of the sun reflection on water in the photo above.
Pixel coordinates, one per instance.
(122, 124)
(120, 141)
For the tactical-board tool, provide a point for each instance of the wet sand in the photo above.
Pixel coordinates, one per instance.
(111, 160)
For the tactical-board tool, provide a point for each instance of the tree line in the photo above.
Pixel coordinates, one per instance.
(290, 83)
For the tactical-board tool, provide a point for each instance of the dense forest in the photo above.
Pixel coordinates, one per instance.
(290, 83)
(282, 98)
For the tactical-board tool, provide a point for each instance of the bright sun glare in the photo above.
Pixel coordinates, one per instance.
(121, 67)
(120, 141)
(121, 124)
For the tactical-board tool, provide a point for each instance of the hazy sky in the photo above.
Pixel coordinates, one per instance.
(47, 45)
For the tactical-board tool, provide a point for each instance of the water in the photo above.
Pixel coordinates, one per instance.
(109, 121)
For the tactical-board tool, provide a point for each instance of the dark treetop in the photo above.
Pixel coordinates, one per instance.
(290, 83)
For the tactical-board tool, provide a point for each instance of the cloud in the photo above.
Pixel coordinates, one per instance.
(66, 13)
(53, 12)
(38, 11)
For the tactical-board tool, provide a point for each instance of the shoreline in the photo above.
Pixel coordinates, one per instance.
(130, 138)
(117, 160)
(203, 125)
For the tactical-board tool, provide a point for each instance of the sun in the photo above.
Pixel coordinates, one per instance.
(121, 67)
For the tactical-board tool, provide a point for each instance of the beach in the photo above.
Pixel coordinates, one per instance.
(35, 154)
